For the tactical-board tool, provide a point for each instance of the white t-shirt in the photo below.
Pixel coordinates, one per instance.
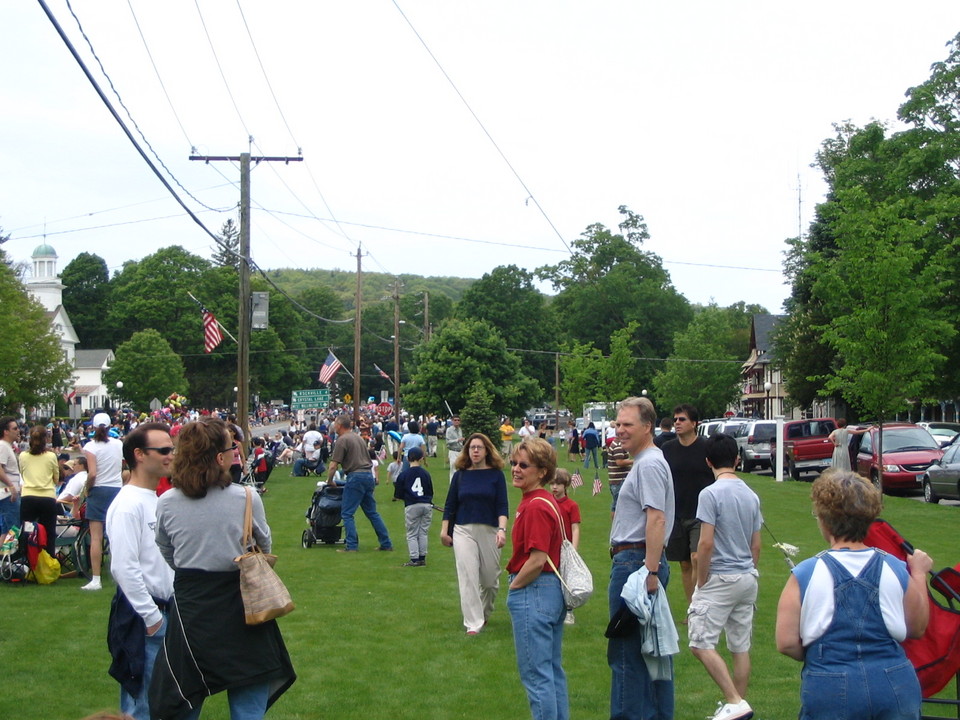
(817, 602)
(73, 487)
(109, 459)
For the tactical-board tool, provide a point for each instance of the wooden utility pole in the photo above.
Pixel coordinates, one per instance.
(396, 350)
(244, 320)
(356, 348)
(426, 315)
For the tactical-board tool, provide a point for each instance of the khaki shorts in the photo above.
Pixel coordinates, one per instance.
(727, 603)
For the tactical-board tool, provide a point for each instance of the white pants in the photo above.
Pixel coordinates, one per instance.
(432, 445)
(452, 456)
(478, 572)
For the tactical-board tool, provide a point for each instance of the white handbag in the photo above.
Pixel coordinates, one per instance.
(575, 577)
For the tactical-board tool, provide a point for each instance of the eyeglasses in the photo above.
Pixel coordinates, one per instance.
(679, 419)
(231, 448)
(521, 465)
(163, 451)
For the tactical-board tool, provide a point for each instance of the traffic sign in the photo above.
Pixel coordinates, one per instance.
(385, 409)
(308, 399)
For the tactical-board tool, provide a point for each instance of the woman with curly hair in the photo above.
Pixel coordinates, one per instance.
(40, 473)
(475, 525)
(845, 612)
(209, 647)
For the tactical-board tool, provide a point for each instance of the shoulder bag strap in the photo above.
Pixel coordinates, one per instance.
(563, 532)
(247, 522)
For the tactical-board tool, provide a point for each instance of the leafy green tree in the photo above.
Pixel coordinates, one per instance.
(586, 375)
(228, 253)
(33, 370)
(461, 354)
(86, 293)
(478, 415)
(148, 368)
(507, 299)
(701, 371)
(609, 282)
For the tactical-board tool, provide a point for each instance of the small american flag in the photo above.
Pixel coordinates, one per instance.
(576, 481)
(330, 367)
(597, 485)
(211, 331)
(382, 373)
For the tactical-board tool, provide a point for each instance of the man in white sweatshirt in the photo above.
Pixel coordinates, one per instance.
(144, 579)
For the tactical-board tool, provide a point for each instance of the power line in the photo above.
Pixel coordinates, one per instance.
(220, 68)
(530, 195)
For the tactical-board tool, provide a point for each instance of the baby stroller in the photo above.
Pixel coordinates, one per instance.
(323, 516)
(936, 655)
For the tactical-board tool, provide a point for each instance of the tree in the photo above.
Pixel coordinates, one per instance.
(33, 370)
(148, 368)
(586, 375)
(227, 253)
(86, 293)
(609, 282)
(478, 415)
(461, 354)
(701, 371)
(507, 299)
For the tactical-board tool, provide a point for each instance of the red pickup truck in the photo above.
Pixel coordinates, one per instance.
(805, 445)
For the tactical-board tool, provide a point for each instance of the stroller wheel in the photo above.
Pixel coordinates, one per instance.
(308, 539)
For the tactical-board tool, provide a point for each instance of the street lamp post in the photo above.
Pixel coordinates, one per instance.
(119, 394)
(767, 386)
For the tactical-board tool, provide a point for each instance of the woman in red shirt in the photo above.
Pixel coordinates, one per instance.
(535, 600)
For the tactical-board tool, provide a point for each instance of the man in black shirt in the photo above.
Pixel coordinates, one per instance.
(687, 457)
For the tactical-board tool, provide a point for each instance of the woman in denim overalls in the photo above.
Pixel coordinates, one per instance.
(858, 604)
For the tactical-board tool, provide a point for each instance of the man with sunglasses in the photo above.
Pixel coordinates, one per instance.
(9, 474)
(137, 622)
(687, 457)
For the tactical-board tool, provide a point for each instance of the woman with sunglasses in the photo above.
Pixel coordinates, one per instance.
(475, 525)
(535, 600)
(209, 647)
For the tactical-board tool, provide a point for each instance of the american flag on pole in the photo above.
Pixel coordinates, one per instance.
(330, 367)
(70, 395)
(211, 331)
(577, 480)
(383, 374)
(597, 485)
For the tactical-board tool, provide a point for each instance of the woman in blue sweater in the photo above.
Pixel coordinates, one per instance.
(475, 524)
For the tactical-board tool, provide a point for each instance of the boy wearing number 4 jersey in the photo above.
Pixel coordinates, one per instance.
(415, 488)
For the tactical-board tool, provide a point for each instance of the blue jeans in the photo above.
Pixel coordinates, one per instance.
(138, 706)
(358, 493)
(248, 702)
(591, 453)
(9, 514)
(633, 695)
(302, 464)
(537, 612)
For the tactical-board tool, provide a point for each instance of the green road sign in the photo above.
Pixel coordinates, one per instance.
(307, 399)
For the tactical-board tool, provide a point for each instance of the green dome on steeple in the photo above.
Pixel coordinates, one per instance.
(44, 251)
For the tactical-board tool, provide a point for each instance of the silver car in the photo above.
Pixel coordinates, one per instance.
(753, 442)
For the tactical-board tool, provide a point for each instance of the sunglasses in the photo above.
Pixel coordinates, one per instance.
(521, 465)
(162, 451)
(230, 449)
(679, 419)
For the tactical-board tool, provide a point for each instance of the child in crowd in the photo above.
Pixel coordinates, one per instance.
(570, 512)
(393, 469)
(415, 487)
(73, 490)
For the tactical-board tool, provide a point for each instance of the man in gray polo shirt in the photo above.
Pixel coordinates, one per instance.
(351, 452)
(642, 522)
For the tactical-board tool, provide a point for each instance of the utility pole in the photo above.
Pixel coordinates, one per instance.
(356, 348)
(243, 319)
(396, 349)
(426, 315)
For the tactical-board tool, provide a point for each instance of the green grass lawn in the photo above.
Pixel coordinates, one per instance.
(371, 640)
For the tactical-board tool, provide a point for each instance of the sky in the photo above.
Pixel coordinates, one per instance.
(444, 137)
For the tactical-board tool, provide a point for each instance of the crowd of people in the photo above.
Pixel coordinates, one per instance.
(176, 629)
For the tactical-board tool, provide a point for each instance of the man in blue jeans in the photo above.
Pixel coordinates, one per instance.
(350, 452)
(642, 522)
(591, 444)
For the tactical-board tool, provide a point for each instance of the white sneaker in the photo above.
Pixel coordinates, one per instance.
(733, 711)
(569, 619)
(92, 585)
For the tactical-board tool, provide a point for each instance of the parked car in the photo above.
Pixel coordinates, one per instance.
(908, 452)
(806, 446)
(726, 425)
(943, 432)
(942, 478)
(753, 441)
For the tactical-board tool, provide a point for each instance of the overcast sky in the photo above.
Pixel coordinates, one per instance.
(702, 116)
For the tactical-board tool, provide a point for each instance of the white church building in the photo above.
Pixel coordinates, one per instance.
(88, 391)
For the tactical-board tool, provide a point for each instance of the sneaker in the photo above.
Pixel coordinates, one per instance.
(412, 563)
(569, 619)
(92, 585)
(346, 550)
(385, 549)
(733, 711)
